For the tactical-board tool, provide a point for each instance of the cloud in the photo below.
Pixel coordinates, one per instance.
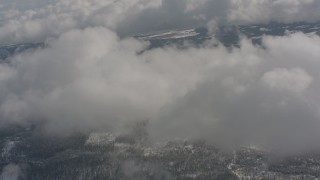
(11, 172)
(90, 79)
(90, 75)
(251, 95)
(295, 80)
(60, 16)
(130, 17)
(263, 11)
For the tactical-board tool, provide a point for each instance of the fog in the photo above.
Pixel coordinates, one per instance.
(90, 75)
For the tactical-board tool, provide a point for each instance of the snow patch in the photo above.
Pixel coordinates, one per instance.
(6, 151)
(100, 139)
(175, 34)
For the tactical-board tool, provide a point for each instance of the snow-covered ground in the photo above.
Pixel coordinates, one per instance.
(6, 151)
(174, 34)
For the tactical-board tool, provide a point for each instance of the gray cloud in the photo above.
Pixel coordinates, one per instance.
(263, 11)
(88, 78)
(252, 96)
(139, 16)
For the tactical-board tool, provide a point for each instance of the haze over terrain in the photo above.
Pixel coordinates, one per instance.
(91, 74)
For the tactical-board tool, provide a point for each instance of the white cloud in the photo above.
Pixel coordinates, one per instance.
(87, 77)
(91, 70)
(295, 80)
(61, 16)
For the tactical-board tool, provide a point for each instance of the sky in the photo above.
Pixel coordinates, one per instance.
(90, 75)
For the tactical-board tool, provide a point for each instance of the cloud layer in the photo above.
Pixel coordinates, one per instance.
(129, 17)
(89, 76)
(89, 79)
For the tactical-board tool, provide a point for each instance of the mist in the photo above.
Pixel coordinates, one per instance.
(11, 172)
